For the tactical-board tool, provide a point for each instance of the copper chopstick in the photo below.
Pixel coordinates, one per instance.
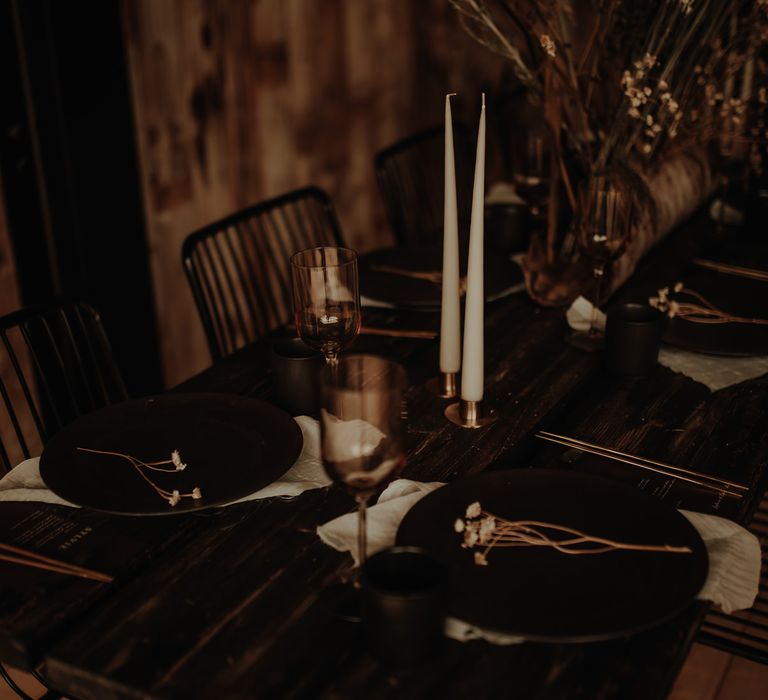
(397, 333)
(714, 483)
(17, 555)
(732, 269)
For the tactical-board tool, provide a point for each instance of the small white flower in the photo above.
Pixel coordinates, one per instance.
(458, 526)
(678, 287)
(487, 527)
(548, 45)
(174, 498)
(473, 510)
(176, 460)
(480, 559)
(197, 494)
(470, 537)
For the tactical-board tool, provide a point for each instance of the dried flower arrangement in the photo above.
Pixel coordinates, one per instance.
(632, 86)
(698, 311)
(483, 529)
(177, 465)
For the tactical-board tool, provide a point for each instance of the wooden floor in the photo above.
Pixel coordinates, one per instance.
(708, 674)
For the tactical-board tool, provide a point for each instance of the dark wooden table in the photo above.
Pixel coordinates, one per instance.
(241, 602)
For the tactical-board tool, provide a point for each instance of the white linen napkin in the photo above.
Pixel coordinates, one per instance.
(734, 553)
(23, 483)
(712, 371)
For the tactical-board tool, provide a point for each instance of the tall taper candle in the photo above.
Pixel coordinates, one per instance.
(473, 370)
(450, 314)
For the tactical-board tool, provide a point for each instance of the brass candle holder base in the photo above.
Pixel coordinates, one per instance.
(471, 414)
(443, 385)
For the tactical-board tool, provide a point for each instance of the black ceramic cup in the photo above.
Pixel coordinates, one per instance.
(403, 606)
(632, 339)
(507, 227)
(296, 370)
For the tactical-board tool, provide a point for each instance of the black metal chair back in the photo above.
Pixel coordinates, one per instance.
(56, 364)
(411, 179)
(239, 268)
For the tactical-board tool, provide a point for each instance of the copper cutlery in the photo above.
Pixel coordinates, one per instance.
(24, 557)
(723, 486)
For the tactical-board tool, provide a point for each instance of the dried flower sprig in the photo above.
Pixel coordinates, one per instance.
(173, 497)
(699, 311)
(484, 529)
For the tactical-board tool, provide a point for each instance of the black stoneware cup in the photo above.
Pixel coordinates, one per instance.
(296, 369)
(632, 339)
(507, 227)
(403, 605)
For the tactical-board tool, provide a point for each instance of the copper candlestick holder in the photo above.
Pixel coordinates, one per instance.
(471, 414)
(444, 385)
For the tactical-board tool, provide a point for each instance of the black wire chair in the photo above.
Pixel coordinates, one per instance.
(411, 179)
(239, 268)
(55, 365)
(745, 632)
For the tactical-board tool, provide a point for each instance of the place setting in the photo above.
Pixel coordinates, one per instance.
(486, 557)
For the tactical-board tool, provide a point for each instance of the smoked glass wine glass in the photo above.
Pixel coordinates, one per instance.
(532, 173)
(326, 299)
(603, 231)
(362, 427)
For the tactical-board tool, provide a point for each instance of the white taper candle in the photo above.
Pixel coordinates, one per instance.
(450, 310)
(472, 376)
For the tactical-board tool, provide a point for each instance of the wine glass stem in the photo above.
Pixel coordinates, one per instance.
(362, 512)
(599, 274)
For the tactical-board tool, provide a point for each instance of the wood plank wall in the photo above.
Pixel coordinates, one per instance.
(236, 101)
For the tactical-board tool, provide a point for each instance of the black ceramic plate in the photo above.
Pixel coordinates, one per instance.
(541, 594)
(500, 275)
(232, 446)
(737, 295)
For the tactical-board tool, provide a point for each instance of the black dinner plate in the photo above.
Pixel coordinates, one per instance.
(544, 595)
(500, 275)
(232, 446)
(737, 295)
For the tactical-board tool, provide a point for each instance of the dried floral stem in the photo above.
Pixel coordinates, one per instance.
(174, 496)
(490, 531)
(702, 312)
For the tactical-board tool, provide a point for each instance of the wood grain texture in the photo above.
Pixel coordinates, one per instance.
(247, 607)
(236, 102)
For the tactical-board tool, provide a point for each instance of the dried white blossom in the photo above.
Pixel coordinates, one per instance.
(174, 498)
(487, 527)
(458, 525)
(480, 559)
(197, 494)
(548, 45)
(176, 460)
(473, 510)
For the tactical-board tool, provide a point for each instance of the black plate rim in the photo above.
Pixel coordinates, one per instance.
(591, 637)
(295, 441)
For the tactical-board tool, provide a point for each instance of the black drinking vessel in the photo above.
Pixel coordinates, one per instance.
(403, 605)
(295, 371)
(632, 339)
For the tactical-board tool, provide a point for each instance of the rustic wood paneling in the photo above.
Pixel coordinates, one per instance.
(238, 101)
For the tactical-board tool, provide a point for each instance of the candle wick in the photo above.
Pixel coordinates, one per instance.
(483, 100)
(451, 94)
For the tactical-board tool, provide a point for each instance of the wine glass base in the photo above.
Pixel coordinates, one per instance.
(588, 341)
